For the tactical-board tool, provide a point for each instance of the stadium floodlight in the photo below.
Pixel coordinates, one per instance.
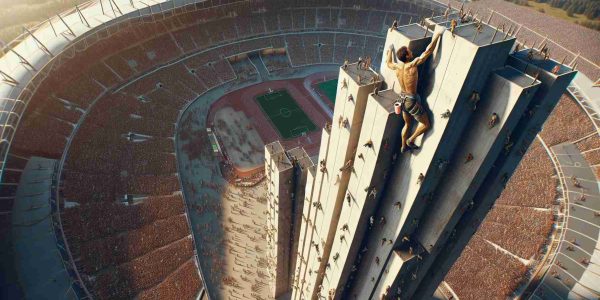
(52, 26)
(574, 59)
(8, 79)
(40, 44)
(118, 9)
(23, 60)
(66, 25)
(490, 18)
(81, 16)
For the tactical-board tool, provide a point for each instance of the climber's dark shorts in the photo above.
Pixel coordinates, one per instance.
(411, 104)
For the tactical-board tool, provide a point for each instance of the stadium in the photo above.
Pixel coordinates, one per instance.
(133, 137)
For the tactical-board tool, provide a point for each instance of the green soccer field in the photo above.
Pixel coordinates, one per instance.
(329, 88)
(285, 114)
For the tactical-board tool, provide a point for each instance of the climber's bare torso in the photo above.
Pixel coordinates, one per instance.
(408, 76)
(406, 69)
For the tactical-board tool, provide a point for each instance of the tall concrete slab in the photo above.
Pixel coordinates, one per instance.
(507, 94)
(306, 255)
(279, 172)
(348, 115)
(304, 229)
(460, 65)
(551, 87)
(372, 161)
(335, 165)
(302, 166)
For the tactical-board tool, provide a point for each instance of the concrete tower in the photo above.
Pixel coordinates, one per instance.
(279, 172)
(378, 223)
(286, 173)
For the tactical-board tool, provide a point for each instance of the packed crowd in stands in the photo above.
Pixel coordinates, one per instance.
(568, 122)
(494, 272)
(516, 231)
(124, 146)
(67, 97)
(513, 234)
(181, 285)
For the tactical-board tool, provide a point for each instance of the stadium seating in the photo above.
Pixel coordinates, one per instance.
(495, 272)
(568, 122)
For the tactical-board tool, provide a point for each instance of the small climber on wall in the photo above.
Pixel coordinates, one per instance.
(408, 76)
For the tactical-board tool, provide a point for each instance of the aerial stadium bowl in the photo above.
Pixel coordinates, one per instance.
(133, 144)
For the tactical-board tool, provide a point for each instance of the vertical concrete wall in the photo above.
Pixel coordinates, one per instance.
(381, 128)
(302, 168)
(279, 172)
(300, 264)
(507, 93)
(302, 288)
(458, 68)
(345, 131)
(551, 87)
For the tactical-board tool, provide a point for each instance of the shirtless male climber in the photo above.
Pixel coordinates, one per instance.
(408, 77)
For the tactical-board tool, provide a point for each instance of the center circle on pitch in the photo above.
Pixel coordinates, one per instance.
(284, 112)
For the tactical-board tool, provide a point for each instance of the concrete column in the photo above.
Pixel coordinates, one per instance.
(304, 233)
(459, 66)
(372, 162)
(348, 115)
(279, 172)
(307, 258)
(551, 88)
(507, 93)
(303, 167)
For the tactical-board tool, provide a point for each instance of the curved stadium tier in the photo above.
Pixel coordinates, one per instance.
(133, 148)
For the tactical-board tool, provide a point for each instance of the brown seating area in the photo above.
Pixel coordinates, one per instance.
(521, 221)
(568, 122)
(295, 50)
(126, 281)
(137, 250)
(181, 284)
(494, 272)
(224, 70)
(244, 69)
(41, 135)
